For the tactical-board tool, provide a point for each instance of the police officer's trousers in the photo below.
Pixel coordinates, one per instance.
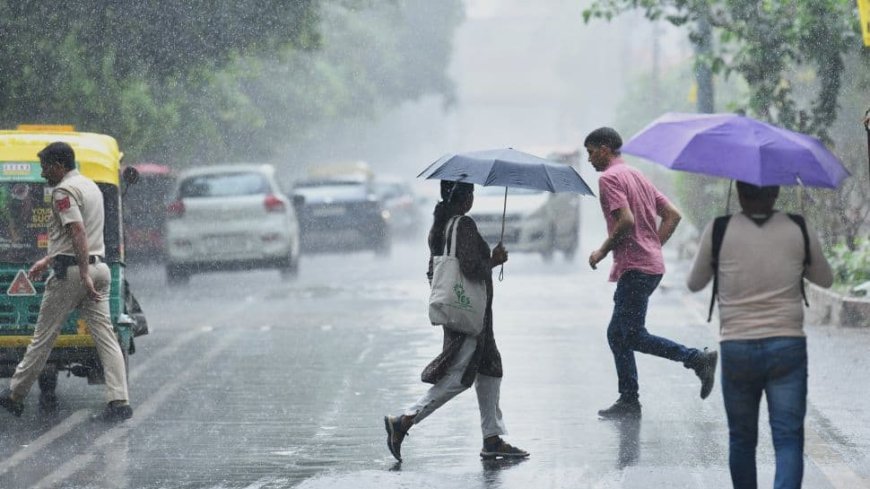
(61, 298)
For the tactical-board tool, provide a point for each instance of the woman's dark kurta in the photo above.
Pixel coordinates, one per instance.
(473, 254)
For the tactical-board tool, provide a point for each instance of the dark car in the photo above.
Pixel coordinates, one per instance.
(342, 215)
(398, 198)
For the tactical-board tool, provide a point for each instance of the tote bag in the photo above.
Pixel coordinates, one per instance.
(455, 302)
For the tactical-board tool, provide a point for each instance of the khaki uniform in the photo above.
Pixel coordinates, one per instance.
(75, 199)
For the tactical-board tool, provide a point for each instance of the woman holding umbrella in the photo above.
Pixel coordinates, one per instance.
(464, 360)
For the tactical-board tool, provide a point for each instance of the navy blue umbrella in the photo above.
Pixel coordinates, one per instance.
(507, 168)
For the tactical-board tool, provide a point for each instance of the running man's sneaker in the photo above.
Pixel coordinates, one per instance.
(395, 435)
(705, 369)
(114, 412)
(11, 405)
(501, 449)
(622, 408)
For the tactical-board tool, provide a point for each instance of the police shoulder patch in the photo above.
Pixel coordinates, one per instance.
(62, 204)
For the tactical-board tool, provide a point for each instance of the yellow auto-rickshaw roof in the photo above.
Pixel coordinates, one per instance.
(97, 155)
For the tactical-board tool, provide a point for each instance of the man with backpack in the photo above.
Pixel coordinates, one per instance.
(757, 260)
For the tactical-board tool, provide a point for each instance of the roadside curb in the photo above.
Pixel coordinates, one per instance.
(832, 309)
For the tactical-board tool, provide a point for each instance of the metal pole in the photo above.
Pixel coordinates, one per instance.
(867, 129)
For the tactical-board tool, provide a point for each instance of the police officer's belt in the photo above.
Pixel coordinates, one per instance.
(62, 262)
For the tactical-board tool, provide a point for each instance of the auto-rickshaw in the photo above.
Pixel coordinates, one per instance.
(144, 218)
(25, 213)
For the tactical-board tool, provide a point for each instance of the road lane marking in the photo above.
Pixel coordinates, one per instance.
(831, 464)
(81, 415)
(58, 431)
(143, 411)
(71, 421)
(327, 425)
(821, 453)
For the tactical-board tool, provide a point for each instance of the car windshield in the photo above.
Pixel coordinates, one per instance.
(391, 190)
(493, 190)
(336, 190)
(24, 218)
(224, 185)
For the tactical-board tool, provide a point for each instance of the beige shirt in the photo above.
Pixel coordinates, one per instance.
(760, 271)
(76, 199)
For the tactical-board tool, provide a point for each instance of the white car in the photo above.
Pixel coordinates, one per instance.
(230, 217)
(536, 221)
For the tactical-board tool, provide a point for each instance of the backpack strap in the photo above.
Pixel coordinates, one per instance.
(801, 223)
(719, 225)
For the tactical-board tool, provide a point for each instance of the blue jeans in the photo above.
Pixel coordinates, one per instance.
(627, 332)
(776, 367)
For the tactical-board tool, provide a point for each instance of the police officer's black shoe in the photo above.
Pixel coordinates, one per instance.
(114, 412)
(11, 405)
(622, 408)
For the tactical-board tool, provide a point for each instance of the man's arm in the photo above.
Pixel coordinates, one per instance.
(819, 272)
(623, 226)
(671, 217)
(79, 238)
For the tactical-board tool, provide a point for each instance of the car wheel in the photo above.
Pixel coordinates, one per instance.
(571, 250)
(177, 275)
(383, 243)
(550, 246)
(290, 268)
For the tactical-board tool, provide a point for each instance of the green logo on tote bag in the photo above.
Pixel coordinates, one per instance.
(462, 300)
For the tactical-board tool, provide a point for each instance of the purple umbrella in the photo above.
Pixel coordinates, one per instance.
(739, 148)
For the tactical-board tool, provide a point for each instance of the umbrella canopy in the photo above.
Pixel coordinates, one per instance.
(507, 168)
(739, 148)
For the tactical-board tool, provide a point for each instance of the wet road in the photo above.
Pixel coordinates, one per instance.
(251, 382)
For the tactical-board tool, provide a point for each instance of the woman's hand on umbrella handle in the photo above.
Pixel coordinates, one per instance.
(499, 255)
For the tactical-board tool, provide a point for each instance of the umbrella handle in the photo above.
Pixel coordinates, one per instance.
(728, 200)
(503, 215)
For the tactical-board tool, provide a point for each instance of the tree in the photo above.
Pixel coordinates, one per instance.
(763, 41)
(231, 79)
(792, 56)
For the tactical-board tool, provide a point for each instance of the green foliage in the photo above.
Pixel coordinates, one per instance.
(763, 42)
(851, 266)
(801, 61)
(197, 81)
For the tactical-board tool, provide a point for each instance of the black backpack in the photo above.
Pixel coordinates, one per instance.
(719, 226)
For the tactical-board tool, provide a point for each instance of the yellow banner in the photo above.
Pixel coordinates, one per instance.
(864, 12)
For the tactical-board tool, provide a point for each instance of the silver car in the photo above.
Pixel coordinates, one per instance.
(230, 217)
(536, 221)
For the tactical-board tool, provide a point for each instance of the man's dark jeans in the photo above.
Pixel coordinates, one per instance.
(776, 367)
(627, 331)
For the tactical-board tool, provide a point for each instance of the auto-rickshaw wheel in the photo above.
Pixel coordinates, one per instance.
(47, 384)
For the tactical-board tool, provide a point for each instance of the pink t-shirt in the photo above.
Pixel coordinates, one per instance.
(622, 186)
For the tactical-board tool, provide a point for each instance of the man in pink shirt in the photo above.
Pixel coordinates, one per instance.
(632, 207)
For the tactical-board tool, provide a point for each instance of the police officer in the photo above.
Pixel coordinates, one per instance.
(80, 281)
